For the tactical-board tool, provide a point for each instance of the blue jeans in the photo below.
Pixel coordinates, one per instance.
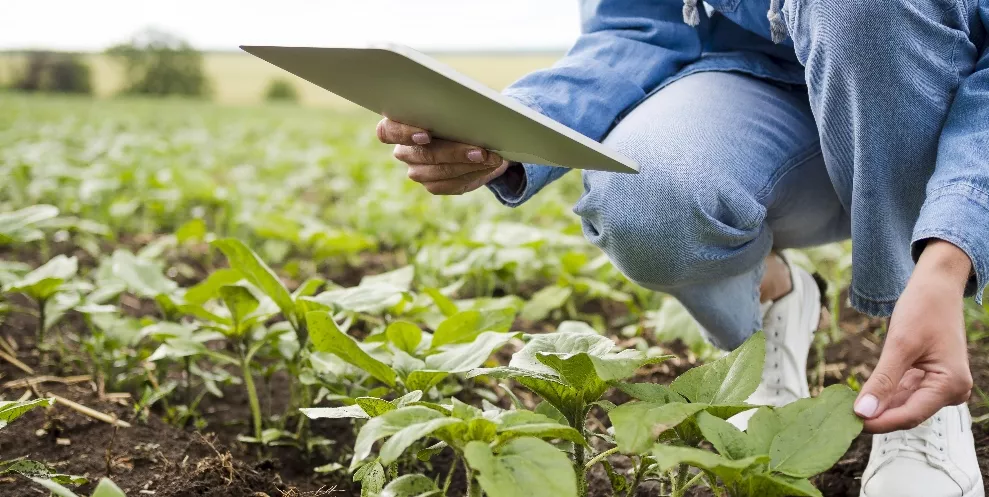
(870, 121)
(733, 165)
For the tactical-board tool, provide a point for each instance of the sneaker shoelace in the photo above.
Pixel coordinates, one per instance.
(921, 440)
(775, 392)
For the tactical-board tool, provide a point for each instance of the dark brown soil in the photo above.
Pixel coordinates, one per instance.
(154, 456)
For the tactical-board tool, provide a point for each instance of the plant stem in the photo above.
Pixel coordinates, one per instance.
(300, 428)
(188, 381)
(578, 454)
(473, 488)
(639, 472)
(599, 457)
(680, 481)
(693, 481)
(252, 395)
(835, 314)
(449, 476)
(41, 320)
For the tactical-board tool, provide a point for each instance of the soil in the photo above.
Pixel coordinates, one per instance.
(155, 458)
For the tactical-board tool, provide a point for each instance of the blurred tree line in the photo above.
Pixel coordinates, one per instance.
(155, 63)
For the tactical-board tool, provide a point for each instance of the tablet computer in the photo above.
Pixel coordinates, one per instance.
(415, 89)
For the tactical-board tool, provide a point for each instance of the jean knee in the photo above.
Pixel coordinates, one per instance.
(668, 229)
(862, 37)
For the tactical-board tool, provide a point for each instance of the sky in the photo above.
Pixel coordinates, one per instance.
(93, 25)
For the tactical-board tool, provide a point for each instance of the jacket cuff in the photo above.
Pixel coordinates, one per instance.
(514, 191)
(957, 214)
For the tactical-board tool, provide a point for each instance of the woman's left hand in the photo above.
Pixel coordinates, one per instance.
(924, 363)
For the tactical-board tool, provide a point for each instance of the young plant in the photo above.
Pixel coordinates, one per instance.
(44, 283)
(37, 471)
(406, 358)
(499, 449)
(571, 371)
(21, 226)
(778, 453)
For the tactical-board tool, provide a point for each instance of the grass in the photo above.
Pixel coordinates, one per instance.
(240, 79)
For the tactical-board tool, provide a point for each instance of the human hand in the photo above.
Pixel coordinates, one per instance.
(924, 363)
(443, 167)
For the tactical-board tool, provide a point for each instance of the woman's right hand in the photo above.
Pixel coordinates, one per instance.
(443, 167)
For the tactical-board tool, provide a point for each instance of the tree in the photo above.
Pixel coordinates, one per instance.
(54, 72)
(281, 90)
(158, 63)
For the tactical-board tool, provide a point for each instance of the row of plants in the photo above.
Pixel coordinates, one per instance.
(403, 382)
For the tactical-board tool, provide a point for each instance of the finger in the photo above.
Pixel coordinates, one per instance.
(878, 392)
(908, 385)
(920, 406)
(430, 173)
(396, 133)
(457, 186)
(446, 152)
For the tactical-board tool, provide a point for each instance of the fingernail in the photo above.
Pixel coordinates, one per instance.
(421, 138)
(475, 155)
(493, 160)
(866, 406)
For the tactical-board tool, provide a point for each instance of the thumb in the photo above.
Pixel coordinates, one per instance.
(877, 393)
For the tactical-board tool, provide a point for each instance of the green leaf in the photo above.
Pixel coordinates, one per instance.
(177, 348)
(726, 439)
(638, 424)
(241, 303)
(730, 471)
(565, 398)
(372, 480)
(816, 439)
(515, 424)
(650, 392)
(464, 357)
(410, 486)
(446, 306)
(467, 325)
(210, 287)
(387, 425)
(373, 295)
(424, 380)
(327, 337)
(34, 469)
(765, 485)
(374, 406)
(546, 301)
(393, 449)
(309, 287)
(244, 260)
(352, 412)
(578, 369)
(143, 277)
(19, 226)
(11, 410)
(729, 380)
(404, 335)
(43, 282)
(549, 410)
(522, 468)
(560, 343)
(54, 488)
(763, 427)
(192, 231)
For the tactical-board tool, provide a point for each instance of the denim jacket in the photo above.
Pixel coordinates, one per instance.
(629, 49)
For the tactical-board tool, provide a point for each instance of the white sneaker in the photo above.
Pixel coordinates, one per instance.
(789, 324)
(935, 459)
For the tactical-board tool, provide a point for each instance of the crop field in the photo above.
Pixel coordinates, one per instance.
(238, 78)
(207, 300)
